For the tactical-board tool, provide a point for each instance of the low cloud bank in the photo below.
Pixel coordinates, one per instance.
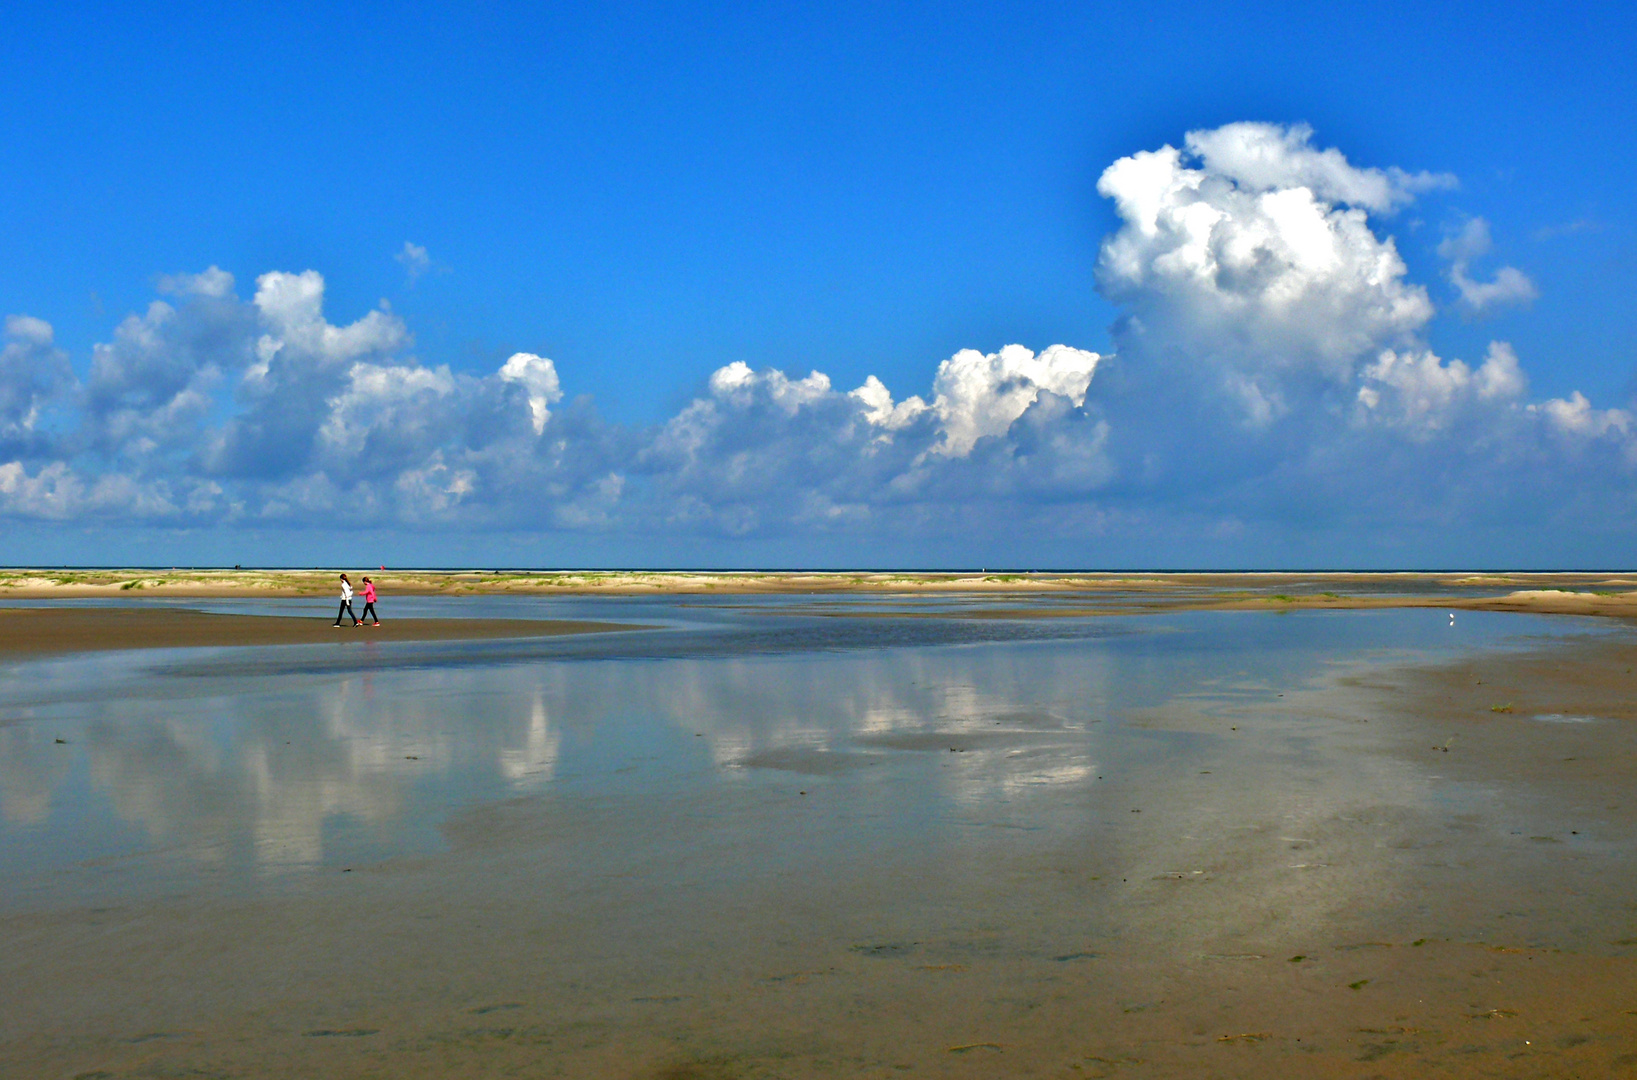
(217, 410)
(1271, 365)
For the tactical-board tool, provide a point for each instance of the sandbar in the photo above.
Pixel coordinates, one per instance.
(1011, 594)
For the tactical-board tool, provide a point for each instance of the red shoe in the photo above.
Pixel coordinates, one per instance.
(377, 622)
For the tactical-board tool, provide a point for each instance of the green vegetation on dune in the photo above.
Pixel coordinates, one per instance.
(1568, 593)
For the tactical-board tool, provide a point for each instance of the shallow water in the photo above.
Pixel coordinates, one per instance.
(123, 768)
(761, 841)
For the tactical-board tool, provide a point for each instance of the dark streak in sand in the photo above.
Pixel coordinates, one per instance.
(34, 631)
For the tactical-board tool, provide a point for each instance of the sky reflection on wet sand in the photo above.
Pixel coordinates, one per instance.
(256, 773)
(680, 815)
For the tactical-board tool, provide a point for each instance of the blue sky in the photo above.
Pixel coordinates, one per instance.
(647, 194)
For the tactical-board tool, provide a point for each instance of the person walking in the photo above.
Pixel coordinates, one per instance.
(346, 602)
(369, 603)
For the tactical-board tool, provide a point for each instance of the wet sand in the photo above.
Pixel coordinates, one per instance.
(1433, 878)
(477, 963)
(25, 631)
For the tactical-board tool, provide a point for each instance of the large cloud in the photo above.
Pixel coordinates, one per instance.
(761, 442)
(1272, 365)
(1275, 350)
(213, 408)
(1247, 261)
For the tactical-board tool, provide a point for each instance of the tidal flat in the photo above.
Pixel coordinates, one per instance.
(832, 833)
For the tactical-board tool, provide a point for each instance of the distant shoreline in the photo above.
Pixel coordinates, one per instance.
(1012, 595)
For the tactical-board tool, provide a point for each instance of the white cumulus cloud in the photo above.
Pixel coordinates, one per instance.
(1273, 157)
(1272, 368)
(1424, 394)
(1575, 416)
(537, 376)
(58, 492)
(1509, 286)
(292, 308)
(33, 372)
(978, 396)
(1247, 260)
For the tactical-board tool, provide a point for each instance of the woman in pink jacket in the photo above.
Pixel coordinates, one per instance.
(369, 603)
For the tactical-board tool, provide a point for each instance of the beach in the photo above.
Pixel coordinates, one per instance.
(1148, 829)
(865, 516)
(36, 630)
